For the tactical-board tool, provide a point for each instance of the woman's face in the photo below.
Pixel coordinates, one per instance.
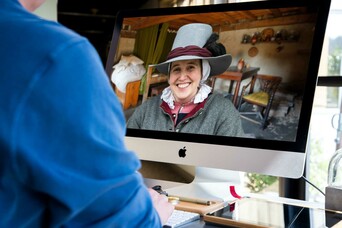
(185, 77)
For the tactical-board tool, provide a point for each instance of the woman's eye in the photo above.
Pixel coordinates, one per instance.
(175, 70)
(191, 68)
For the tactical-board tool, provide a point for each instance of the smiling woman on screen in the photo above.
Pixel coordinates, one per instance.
(188, 104)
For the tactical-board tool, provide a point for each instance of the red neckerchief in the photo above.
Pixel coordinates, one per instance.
(164, 106)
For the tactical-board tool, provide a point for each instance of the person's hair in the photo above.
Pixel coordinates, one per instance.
(201, 65)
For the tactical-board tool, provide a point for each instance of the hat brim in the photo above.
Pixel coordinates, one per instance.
(218, 64)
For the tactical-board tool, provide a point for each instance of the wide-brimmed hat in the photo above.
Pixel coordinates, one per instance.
(189, 44)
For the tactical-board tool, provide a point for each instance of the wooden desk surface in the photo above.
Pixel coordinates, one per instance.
(234, 74)
(310, 215)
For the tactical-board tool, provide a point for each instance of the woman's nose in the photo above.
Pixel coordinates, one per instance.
(183, 74)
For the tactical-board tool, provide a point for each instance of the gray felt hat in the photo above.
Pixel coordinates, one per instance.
(188, 44)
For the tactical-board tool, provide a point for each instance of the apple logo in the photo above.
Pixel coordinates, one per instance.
(182, 152)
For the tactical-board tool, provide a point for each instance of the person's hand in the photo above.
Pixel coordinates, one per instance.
(161, 204)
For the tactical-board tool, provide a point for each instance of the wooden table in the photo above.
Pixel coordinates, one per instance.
(234, 75)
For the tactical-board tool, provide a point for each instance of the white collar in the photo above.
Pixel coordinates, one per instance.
(200, 96)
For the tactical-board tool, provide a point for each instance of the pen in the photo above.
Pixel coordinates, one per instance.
(176, 199)
(193, 200)
(159, 189)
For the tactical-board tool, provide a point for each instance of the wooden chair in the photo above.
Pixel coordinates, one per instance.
(130, 98)
(262, 98)
(150, 81)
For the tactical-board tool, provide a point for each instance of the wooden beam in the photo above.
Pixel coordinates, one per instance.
(289, 20)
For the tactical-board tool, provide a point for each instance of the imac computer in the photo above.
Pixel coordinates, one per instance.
(282, 38)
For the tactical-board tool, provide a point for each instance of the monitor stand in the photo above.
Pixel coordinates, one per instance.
(209, 184)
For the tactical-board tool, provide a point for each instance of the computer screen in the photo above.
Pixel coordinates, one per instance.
(272, 38)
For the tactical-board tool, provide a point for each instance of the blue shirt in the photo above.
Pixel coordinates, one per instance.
(63, 161)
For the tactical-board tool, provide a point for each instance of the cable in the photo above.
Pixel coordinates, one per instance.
(293, 221)
(313, 185)
(296, 217)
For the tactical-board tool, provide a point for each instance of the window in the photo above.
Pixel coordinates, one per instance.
(325, 132)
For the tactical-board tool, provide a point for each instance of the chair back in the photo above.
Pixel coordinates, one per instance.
(262, 89)
(266, 87)
(268, 83)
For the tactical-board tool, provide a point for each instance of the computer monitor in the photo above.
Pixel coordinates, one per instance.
(281, 38)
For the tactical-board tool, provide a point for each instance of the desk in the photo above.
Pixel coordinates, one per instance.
(233, 74)
(294, 213)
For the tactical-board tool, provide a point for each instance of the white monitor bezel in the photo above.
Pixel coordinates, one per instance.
(270, 157)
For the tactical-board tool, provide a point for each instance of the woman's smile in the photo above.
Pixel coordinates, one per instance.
(183, 85)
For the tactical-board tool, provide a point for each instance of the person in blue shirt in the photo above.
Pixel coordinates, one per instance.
(63, 161)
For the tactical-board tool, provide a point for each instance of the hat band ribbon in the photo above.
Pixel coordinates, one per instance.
(189, 50)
